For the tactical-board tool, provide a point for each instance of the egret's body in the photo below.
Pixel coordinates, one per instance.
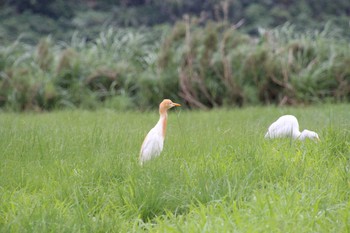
(285, 126)
(153, 144)
(288, 126)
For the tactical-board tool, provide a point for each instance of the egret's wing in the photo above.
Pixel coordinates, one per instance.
(283, 131)
(151, 146)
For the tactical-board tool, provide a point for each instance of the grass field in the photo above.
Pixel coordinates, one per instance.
(77, 171)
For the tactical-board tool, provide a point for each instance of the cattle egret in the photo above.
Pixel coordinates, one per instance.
(288, 126)
(153, 144)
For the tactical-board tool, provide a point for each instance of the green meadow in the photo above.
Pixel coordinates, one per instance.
(78, 171)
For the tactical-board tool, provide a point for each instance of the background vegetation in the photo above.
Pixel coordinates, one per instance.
(131, 54)
(62, 17)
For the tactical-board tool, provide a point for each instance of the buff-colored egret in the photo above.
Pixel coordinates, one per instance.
(153, 144)
(288, 126)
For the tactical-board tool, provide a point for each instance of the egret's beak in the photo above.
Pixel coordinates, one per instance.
(176, 105)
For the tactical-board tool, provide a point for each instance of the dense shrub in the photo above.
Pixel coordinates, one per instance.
(205, 66)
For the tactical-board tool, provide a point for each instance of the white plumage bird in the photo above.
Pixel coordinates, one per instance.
(288, 126)
(153, 144)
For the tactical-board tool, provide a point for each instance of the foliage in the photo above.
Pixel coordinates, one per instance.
(205, 66)
(77, 171)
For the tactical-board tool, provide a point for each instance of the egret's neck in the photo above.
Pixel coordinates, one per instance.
(163, 121)
(296, 134)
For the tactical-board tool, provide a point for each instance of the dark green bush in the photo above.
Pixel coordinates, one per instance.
(201, 66)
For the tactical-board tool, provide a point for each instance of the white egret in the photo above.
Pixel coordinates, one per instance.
(288, 126)
(153, 144)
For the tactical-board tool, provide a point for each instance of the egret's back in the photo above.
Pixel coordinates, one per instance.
(285, 126)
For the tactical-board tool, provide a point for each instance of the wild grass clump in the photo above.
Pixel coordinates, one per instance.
(206, 66)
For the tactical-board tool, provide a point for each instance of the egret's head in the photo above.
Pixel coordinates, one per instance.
(167, 104)
(309, 134)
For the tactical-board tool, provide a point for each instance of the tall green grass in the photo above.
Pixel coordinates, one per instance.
(77, 171)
